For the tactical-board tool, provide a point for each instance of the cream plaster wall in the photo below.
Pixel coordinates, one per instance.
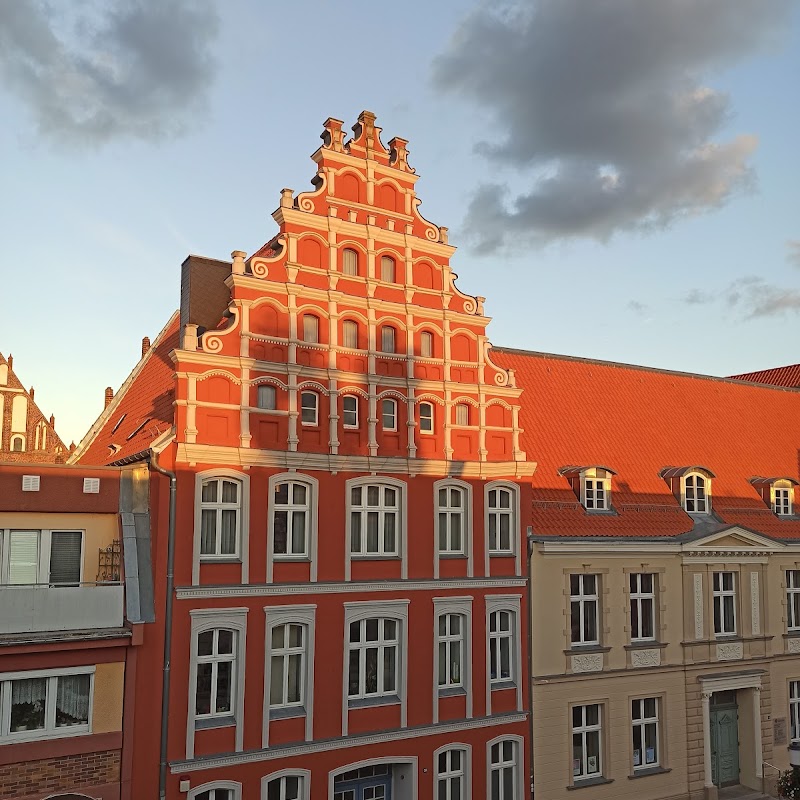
(109, 689)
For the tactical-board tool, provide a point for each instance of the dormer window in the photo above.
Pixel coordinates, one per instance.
(777, 493)
(592, 486)
(692, 486)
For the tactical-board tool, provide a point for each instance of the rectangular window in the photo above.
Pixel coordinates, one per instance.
(310, 328)
(266, 397)
(794, 710)
(45, 706)
(782, 504)
(502, 507)
(23, 555)
(644, 721)
(643, 606)
(290, 519)
(594, 490)
(425, 418)
(350, 334)
(220, 506)
(387, 269)
(287, 666)
(501, 646)
(66, 549)
(450, 775)
(350, 411)
(503, 771)
(373, 658)
(389, 415)
(793, 599)
(349, 262)
(451, 650)
(586, 731)
(450, 512)
(462, 414)
(387, 339)
(426, 344)
(309, 408)
(584, 609)
(374, 520)
(216, 662)
(724, 585)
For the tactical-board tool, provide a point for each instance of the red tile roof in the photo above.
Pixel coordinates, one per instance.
(141, 410)
(637, 421)
(788, 376)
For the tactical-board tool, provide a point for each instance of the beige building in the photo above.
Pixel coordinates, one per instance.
(665, 580)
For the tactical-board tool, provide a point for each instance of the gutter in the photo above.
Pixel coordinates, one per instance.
(165, 681)
(529, 626)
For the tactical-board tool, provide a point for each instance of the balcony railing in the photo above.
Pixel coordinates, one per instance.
(44, 607)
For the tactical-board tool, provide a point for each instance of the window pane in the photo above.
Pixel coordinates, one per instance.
(208, 531)
(279, 636)
(389, 533)
(295, 677)
(352, 680)
(205, 643)
(266, 397)
(224, 676)
(209, 492)
(228, 535)
(279, 529)
(224, 642)
(389, 669)
(72, 700)
(24, 557)
(387, 269)
(28, 703)
(230, 492)
(350, 262)
(371, 677)
(276, 681)
(298, 532)
(203, 692)
(65, 556)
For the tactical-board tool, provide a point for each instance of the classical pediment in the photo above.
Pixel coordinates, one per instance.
(732, 539)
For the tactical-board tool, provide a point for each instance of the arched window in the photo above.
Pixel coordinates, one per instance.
(218, 790)
(375, 521)
(388, 339)
(216, 673)
(782, 498)
(18, 444)
(290, 519)
(350, 334)
(387, 269)
(450, 640)
(267, 397)
(451, 774)
(389, 415)
(349, 261)
(504, 770)
(501, 509)
(462, 414)
(695, 493)
(426, 417)
(596, 489)
(287, 646)
(287, 787)
(450, 512)
(350, 411)
(426, 344)
(220, 511)
(310, 328)
(309, 408)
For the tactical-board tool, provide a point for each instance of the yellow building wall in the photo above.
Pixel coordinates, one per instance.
(109, 692)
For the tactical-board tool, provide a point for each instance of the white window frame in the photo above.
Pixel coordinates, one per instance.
(464, 773)
(583, 599)
(388, 269)
(583, 730)
(387, 609)
(463, 512)
(350, 331)
(512, 512)
(388, 339)
(793, 600)
(219, 506)
(50, 731)
(243, 536)
(720, 596)
(303, 408)
(290, 507)
(426, 418)
(426, 344)
(215, 658)
(311, 328)
(445, 644)
(640, 598)
(304, 776)
(794, 711)
(642, 724)
(267, 390)
(517, 764)
(595, 491)
(44, 540)
(276, 616)
(383, 511)
(496, 639)
(312, 522)
(393, 414)
(352, 412)
(689, 485)
(462, 607)
(231, 786)
(511, 604)
(782, 499)
(384, 645)
(350, 264)
(203, 620)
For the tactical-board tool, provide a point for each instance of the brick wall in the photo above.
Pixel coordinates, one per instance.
(68, 773)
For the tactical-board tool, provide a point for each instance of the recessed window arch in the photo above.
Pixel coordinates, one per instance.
(596, 489)
(505, 760)
(311, 328)
(309, 408)
(350, 334)
(267, 397)
(388, 339)
(389, 414)
(452, 772)
(349, 261)
(350, 411)
(782, 497)
(426, 417)
(18, 443)
(426, 344)
(462, 415)
(388, 269)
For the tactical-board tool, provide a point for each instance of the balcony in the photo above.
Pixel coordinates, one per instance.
(41, 607)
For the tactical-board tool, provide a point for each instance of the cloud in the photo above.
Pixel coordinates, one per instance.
(695, 297)
(794, 252)
(602, 108)
(637, 307)
(752, 296)
(90, 72)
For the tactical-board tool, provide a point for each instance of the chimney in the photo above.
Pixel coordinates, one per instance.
(30, 392)
(145, 346)
(110, 392)
(53, 421)
(10, 361)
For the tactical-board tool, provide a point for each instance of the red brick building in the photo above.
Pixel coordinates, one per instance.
(342, 511)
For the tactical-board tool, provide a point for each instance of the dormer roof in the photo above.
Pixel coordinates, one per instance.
(760, 482)
(571, 470)
(680, 472)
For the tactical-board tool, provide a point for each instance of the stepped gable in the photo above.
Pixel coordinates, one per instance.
(26, 435)
(636, 421)
(788, 377)
(140, 412)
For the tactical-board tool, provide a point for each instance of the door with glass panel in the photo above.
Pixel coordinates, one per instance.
(367, 783)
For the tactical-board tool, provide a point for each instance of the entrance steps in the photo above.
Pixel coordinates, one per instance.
(742, 793)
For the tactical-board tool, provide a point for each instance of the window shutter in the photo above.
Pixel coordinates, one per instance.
(24, 557)
(65, 556)
(30, 483)
(91, 485)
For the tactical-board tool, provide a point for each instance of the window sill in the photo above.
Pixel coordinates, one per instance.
(370, 702)
(374, 557)
(643, 773)
(501, 554)
(503, 683)
(220, 560)
(452, 556)
(289, 712)
(296, 558)
(214, 722)
(452, 691)
(646, 645)
(792, 635)
(582, 784)
(580, 649)
(44, 735)
(600, 512)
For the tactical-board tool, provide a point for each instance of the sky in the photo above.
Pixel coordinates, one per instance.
(621, 177)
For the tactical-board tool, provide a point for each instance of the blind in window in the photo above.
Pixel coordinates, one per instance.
(65, 556)
(23, 557)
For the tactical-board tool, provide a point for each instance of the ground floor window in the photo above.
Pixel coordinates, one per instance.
(287, 787)
(586, 730)
(794, 709)
(367, 783)
(450, 774)
(644, 719)
(503, 767)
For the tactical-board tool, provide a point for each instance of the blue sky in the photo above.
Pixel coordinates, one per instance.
(133, 137)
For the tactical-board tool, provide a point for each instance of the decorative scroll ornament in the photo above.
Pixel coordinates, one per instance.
(212, 340)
